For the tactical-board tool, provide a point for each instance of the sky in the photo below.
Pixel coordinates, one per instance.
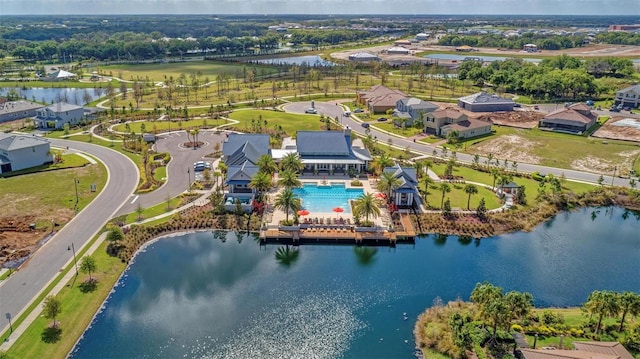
(321, 7)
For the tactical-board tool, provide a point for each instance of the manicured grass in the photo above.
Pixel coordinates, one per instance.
(290, 123)
(389, 127)
(155, 210)
(51, 194)
(430, 139)
(68, 161)
(78, 309)
(458, 198)
(161, 126)
(160, 173)
(162, 71)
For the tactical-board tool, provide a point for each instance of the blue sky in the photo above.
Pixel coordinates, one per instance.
(534, 7)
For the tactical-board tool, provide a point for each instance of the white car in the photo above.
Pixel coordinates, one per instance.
(311, 110)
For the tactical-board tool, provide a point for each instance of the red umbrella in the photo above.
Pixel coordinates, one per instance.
(381, 195)
(303, 212)
(338, 210)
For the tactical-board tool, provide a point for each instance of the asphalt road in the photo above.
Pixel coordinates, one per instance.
(180, 169)
(22, 286)
(333, 110)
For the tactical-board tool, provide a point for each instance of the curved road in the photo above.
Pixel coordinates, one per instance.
(333, 110)
(24, 285)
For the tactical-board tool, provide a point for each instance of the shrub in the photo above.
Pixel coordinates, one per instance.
(356, 183)
(516, 328)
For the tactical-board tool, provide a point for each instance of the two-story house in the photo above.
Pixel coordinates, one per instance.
(20, 152)
(441, 122)
(59, 114)
(629, 96)
(412, 109)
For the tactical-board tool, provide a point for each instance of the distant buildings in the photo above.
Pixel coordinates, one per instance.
(485, 102)
(20, 152)
(629, 96)
(363, 57)
(530, 47)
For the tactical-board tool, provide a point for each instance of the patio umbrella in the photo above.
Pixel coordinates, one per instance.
(381, 195)
(303, 212)
(338, 210)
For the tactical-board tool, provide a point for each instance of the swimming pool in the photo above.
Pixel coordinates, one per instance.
(325, 198)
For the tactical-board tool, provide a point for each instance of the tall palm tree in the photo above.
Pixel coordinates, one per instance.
(602, 303)
(470, 190)
(288, 179)
(261, 182)
(288, 201)
(388, 183)
(494, 173)
(366, 205)
(427, 181)
(629, 304)
(380, 163)
(445, 188)
(267, 164)
(291, 162)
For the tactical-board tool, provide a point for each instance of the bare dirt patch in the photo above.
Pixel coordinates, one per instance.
(603, 166)
(512, 147)
(17, 237)
(519, 119)
(611, 131)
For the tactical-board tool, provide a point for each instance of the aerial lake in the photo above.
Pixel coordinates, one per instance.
(222, 295)
(50, 95)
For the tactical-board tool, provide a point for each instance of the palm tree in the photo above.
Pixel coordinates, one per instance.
(288, 201)
(388, 183)
(602, 303)
(445, 188)
(470, 190)
(267, 164)
(288, 179)
(629, 304)
(261, 182)
(291, 162)
(494, 173)
(380, 163)
(426, 180)
(366, 205)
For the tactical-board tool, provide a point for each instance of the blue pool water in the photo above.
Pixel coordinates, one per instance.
(316, 199)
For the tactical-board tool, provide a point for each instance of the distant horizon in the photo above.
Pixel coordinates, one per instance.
(324, 7)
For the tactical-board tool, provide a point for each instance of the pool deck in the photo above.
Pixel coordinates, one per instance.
(337, 228)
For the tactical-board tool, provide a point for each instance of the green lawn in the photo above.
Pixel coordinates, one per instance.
(68, 161)
(458, 198)
(160, 174)
(162, 126)
(77, 311)
(290, 123)
(51, 194)
(389, 127)
(162, 71)
(155, 210)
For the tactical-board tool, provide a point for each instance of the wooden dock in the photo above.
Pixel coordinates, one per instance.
(335, 235)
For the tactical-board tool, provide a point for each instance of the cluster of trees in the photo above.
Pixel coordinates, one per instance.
(619, 37)
(559, 77)
(544, 42)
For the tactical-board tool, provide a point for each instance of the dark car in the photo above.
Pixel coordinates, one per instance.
(517, 105)
(381, 119)
(358, 110)
(365, 125)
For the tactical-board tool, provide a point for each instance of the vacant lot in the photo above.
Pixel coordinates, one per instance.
(41, 198)
(163, 71)
(288, 122)
(620, 128)
(558, 150)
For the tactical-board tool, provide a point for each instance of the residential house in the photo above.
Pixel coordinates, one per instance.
(406, 194)
(20, 152)
(412, 109)
(629, 96)
(240, 153)
(485, 102)
(59, 114)
(575, 119)
(16, 110)
(468, 128)
(583, 350)
(379, 98)
(445, 120)
(331, 152)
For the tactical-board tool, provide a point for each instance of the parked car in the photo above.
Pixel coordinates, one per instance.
(381, 119)
(201, 166)
(358, 110)
(614, 109)
(347, 114)
(589, 102)
(311, 110)
(517, 105)
(536, 107)
(365, 125)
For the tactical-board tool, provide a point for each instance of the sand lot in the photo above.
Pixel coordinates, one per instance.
(620, 128)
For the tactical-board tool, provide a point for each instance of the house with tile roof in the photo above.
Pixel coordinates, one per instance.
(575, 119)
(59, 114)
(406, 194)
(485, 102)
(379, 98)
(20, 152)
(628, 96)
(443, 121)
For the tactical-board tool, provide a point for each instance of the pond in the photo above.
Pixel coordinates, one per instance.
(484, 58)
(310, 60)
(221, 295)
(76, 96)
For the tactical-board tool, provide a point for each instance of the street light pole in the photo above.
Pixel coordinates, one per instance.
(189, 183)
(75, 183)
(75, 262)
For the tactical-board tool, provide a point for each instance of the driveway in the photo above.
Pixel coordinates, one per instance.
(22, 286)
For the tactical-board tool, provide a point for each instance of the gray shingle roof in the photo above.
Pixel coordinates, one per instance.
(244, 147)
(322, 143)
(241, 173)
(62, 107)
(13, 143)
(484, 97)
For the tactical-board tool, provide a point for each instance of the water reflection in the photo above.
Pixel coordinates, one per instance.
(286, 255)
(440, 239)
(465, 240)
(365, 255)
